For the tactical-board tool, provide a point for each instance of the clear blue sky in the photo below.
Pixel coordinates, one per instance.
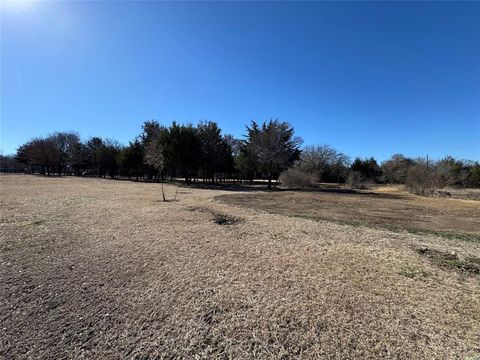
(368, 78)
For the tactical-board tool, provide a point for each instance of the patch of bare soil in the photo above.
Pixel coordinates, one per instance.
(391, 209)
(469, 264)
(101, 269)
(218, 218)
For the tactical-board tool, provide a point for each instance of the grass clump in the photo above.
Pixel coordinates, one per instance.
(413, 272)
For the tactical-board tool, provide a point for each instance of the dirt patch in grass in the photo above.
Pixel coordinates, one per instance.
(394, 210)
(224, 219)
(218, 217)
(450, 260)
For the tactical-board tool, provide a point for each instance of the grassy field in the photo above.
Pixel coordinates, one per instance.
(387, 207)
(103, 269)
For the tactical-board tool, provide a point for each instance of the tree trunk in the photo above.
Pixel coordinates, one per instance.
(163, 192)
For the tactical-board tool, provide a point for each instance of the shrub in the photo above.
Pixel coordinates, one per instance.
(395, 170)
(296, 178)
(419, 180)
(356, 180)
(474, 175)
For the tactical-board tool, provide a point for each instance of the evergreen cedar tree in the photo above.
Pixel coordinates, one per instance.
(271, 148)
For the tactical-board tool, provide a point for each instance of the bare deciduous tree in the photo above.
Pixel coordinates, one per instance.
(325, 162)
(395, 170)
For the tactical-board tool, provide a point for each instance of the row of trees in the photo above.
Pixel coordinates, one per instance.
(325, 164)
(195, 153)
(203, 153)
(419, 173)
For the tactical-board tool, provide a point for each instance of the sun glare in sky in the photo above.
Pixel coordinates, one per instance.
(16, 6)
(18, 11)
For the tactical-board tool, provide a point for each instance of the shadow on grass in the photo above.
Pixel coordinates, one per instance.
(256, 186)
(230, 187)
(397, 229)
(355, 192)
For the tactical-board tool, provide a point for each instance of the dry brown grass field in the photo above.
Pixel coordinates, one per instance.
(388, 207)
(103, 269)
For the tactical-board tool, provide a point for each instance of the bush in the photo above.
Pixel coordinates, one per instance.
(395, 170)
(419, 180)
(296, 178)
(474, 175)
(358, 181)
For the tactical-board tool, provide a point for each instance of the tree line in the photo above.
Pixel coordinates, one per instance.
(194, 153)
(421, 175)
(202, 153)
